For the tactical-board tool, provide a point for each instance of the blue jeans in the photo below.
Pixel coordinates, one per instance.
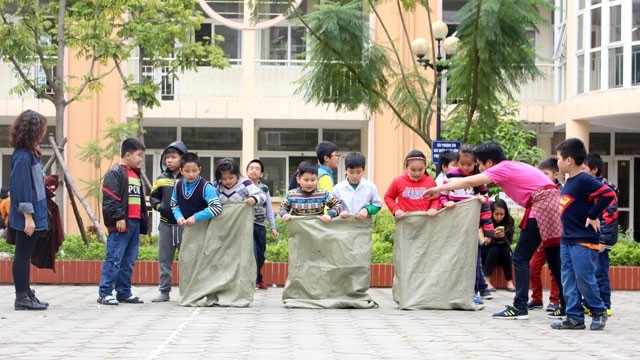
(528, 244)
(579, 277)
(481, 284)
(259, 247)
(122, 252)
(602, 278)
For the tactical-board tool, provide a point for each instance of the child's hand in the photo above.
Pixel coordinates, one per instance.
(325, 218)
(275, 234)
(595, 224)
(487, 240)
(121, 226)
(432, 212)
(191, 220)
(399, 214)
(362, 214)
(250, 201)
(449, 204)
(181, 222)
(286, 217)
(344, 214)
(601, 248)
(480, 198)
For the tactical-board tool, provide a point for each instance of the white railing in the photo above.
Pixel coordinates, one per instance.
(277, 78)
(540, 91)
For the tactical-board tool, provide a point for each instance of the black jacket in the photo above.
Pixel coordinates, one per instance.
(160, 197)
(115, 198)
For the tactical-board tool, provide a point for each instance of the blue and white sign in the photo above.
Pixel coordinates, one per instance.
(438, 146)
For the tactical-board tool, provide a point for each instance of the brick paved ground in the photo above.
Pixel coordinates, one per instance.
(75, 326)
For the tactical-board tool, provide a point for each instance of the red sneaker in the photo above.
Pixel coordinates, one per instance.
(262, 285)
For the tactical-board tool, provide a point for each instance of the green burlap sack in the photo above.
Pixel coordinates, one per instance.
(329, 264)
(435, 258)
(217, 265)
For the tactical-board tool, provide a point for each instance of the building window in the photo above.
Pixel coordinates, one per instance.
(346, 139)
(615, 24)
(595, 65)
(635, 21)
(635, 65)
(230, 9)
(158, 137)
(282, 139)
(627, 144)
(218, 138)
(275, 175)
(600, 143)
(231, 46)
(580, 35)
(580, 84)
(596, 28)
(282, 43)
(616, 61)
(160, 75)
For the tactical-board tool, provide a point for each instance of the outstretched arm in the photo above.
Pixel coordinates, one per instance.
(463, 183)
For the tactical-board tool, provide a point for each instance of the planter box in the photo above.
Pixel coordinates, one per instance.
(81, 272)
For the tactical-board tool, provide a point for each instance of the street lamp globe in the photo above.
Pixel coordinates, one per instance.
(439, 30)
(450, 45)
(420, 47)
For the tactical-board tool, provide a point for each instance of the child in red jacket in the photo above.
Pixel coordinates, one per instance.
(404, 193)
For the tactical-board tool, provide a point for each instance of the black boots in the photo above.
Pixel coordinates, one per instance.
(26, 300)
(32, 295)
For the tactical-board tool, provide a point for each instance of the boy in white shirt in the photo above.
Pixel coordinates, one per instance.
(360, 196)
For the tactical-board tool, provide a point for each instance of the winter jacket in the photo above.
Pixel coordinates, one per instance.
(160, 197)
(115, 198)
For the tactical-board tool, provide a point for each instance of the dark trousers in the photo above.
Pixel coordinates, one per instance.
(480, 284)
(259, 247)
(494, 255)
(22, 259)
(527, 245)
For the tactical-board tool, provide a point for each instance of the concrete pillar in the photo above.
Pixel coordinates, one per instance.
(578, 129)
(248, 82)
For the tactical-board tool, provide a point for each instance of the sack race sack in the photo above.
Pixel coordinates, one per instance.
(329, 264)
(435, 258)
(217, 265)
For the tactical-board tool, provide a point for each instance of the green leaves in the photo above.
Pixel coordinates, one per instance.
(495, 57)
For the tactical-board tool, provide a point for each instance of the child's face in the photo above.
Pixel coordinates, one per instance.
(416, 169)
(588, 170)
(550, 174)
(172, 160)
(307, 181)
(354, 175)
(450, 166)
(254, 172)
(466, 163)
(190, 171)
(498, 214)
(228, 179)
(482, 166)
(564, 164)
(133, 159)
(332, 161)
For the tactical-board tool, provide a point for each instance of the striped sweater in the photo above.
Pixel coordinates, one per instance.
(241, 191)
(298, 202)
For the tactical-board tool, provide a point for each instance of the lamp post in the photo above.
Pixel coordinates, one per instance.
(422, 49)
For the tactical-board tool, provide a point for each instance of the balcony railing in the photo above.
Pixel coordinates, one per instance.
(540, 91)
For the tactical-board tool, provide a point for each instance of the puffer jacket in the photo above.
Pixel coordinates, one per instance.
(160, 197)
(115, 198)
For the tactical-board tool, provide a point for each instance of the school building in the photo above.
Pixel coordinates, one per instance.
(589, 52)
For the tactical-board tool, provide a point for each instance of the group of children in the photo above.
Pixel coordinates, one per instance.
(183, 197)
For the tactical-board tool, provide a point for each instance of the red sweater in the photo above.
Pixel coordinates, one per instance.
(407, 193)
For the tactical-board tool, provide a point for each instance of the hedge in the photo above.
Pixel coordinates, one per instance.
(625, 253)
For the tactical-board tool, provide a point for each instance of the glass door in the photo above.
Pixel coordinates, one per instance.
(625, 182)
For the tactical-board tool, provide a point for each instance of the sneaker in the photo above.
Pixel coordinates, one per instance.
(568, 324)
(552, 307)
(161, 297)
(532, 305)
(107, 300)
(586, 311)
(132, 300)
(599, 321)
(486, 294)
(262, 285)
(609, 312)
(512, 313)
(478, 300)
(557, 314)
